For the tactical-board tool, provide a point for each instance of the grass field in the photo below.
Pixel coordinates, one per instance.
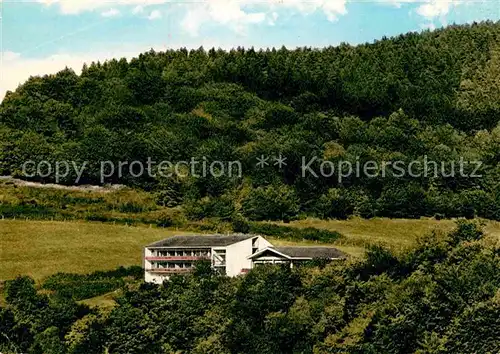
(397, 234)
(42, 248)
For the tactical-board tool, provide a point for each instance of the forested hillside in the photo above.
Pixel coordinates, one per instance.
(416, 97)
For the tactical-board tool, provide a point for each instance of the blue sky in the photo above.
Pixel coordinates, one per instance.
(43, 36)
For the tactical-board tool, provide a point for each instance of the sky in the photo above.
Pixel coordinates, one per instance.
(43, 36)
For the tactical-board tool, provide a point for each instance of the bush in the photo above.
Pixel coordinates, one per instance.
(271, 203)
(337, 204)
(466, 231)
(240, 225)
(79, 287)
(170, 218)
(220, 207)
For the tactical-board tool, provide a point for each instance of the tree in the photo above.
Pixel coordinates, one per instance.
(271, 203)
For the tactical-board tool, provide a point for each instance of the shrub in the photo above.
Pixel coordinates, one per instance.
(466, 231)
(220, 207)
(240, 225)
(336, 203)
(79, 286)
(271, 203)
(172, 217)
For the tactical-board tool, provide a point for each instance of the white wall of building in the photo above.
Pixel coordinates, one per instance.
(146, 264)
(263, 243)
(237, 255)
(154, 278)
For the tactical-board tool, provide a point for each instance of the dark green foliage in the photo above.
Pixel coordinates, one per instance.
(48, 342)
(265, 291)
(271, 203)
(476, 329)
(379, 260)
(220, 207)
(240, 225)
(39, 321)
(79, 287)
(440, 297)
(338, 204)
(87, 335)
(431, 96)
(466, 231)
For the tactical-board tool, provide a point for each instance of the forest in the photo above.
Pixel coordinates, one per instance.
(423, 96)
(440, 297)
(418, 97)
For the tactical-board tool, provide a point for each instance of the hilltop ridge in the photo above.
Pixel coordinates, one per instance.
(419, 97)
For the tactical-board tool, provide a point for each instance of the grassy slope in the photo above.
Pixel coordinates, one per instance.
(395, 233)
(106, 301)
(41, 248)
(398, 234)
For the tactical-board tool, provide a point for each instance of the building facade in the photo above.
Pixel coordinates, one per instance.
(294, 255)
(230, 255)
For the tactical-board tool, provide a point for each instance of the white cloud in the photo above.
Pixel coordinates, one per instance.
(331, 8)
(72, 7)
(236, 14)
(224, 12)
(435, 8)
(431, 8)
(154, 15)
(110, 13)
(396, 3)
(272, 19)
(137, 10)
(10, 56)
(16, 69)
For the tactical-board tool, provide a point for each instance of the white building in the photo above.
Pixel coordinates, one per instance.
(293, 255)
(229, 254)
(175, 255)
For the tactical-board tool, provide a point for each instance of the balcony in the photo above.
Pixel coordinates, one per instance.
(176, 258)
(170, 270)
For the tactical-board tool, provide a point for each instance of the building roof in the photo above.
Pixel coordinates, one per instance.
(297, 252)
(201, 240)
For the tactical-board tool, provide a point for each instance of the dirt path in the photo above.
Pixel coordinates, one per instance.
(20, 182)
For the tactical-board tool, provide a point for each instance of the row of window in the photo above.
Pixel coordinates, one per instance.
(181, 253)
(164, 265)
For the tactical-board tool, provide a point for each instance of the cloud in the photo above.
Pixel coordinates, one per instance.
(16, 69)
(154, 15)
(435, 8)
(236, 14)
(331, 8)
(231, 13)
(272, 19)
(137, 10)
(224, 12)
(73, 7)
(10, 56)
(110, 13)
(396, 3)
(431, 8)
